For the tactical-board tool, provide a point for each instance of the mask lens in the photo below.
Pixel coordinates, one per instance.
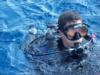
(82, 30)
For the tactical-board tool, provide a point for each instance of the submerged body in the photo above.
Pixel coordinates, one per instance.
(52, 49)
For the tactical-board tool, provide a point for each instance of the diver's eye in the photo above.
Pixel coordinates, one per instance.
(71, 32)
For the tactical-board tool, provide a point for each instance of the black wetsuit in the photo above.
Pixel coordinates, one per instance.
(76, 55)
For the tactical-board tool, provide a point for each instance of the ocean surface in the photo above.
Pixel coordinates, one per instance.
(17, 15)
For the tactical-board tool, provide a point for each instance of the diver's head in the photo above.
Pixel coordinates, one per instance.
(71, 28)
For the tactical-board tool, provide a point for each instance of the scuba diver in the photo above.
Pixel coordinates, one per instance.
(71, 31)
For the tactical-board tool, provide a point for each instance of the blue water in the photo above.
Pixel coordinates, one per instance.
(17, 15)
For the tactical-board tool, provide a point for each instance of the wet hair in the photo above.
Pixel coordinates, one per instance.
(67, 17)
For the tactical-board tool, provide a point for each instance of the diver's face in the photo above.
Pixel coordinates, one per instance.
(70, 33)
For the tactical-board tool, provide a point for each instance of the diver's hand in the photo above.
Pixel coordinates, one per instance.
(67, 43)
